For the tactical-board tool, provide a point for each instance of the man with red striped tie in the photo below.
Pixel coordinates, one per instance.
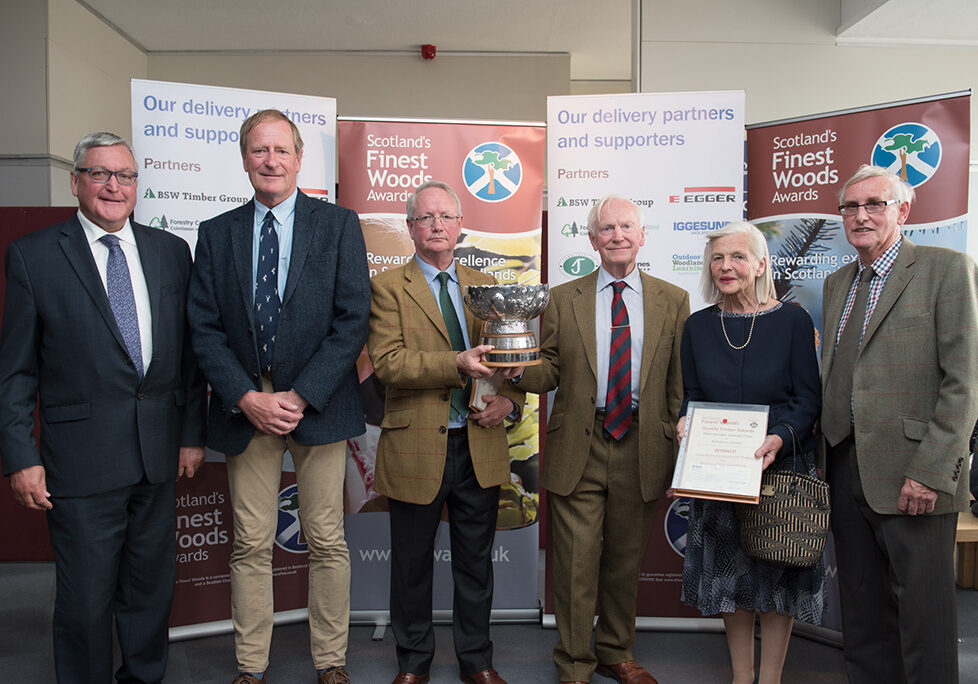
(611, 343)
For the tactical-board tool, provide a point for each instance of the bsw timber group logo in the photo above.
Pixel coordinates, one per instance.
(492, 171)
(288, 534)
(910, 150)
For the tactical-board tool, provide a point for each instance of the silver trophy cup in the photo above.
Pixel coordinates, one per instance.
(506, 312)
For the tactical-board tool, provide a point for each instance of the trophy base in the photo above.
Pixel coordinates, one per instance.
(530, 357)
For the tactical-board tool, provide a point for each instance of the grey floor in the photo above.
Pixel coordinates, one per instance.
(522, 652)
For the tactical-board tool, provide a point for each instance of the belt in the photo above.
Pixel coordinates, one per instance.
(456, 432)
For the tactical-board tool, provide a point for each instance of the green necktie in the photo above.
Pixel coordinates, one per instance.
(460, 403)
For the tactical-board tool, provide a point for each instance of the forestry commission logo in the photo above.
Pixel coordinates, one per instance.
(288, 534)
(492, 172)
(910, 150)
(576, 265)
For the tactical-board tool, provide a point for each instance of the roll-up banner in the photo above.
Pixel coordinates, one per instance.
(187, 153)
(796, 170)
(497, 170)
(680, 157)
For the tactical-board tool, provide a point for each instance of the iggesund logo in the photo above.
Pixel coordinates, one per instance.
(288, 534)
(910, 150)
(492, 172)
(576, 265)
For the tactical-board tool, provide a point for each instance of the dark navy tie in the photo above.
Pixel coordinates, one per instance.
(618, 405)
(121, 299)
(267, 302)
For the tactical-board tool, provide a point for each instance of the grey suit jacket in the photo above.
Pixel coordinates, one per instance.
(321, 329)
(101, 426)
(915, 377)
(569, 363)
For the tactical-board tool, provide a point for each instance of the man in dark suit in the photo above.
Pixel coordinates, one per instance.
(433, 450)
(610, 442)
(278, 305)
(95, 331)
(899, 374)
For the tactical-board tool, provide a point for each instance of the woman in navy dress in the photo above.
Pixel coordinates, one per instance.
(749, 348)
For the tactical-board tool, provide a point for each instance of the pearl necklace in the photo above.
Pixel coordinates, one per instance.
(749, 333)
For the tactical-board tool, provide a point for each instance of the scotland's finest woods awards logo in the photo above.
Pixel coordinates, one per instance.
(288, 534)
(492, 171)
(910, 150)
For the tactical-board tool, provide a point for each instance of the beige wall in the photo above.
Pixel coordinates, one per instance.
(502, 87)
(783, 54)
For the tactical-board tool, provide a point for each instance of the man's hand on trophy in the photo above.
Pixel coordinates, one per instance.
(469, 362)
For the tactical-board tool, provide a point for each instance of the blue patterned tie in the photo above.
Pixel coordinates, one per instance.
(267, 302)
(122, 301)
(618, 406)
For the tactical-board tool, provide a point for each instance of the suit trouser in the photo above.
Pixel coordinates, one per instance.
(472, 513)
(896, 584)
(115, 554)
(599, 532)
(254, 479)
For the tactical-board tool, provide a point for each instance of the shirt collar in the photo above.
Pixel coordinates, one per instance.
(94, 233)
(633, 279)
(884, 262)
(280, 211)
(430, 272)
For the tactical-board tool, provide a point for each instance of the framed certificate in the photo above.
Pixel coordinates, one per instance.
(716, 457)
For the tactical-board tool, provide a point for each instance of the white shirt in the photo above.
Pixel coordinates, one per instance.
(100, 252)
(632, 296)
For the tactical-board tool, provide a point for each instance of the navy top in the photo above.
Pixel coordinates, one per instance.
(778, 368)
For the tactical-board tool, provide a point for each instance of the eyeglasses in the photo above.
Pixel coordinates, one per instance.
(625, 228)
(100, 175)
(877, 207)
(427, 221)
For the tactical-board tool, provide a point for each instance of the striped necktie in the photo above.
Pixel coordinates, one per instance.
(618, 405)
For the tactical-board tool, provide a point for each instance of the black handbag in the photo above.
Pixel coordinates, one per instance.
(791, 521)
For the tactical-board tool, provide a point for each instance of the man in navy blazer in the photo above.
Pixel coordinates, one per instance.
(279, 304)
(121, 410)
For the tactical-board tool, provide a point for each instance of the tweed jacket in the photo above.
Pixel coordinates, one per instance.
(914, 381)
(569, 364)
(321, 328)
(413, 357)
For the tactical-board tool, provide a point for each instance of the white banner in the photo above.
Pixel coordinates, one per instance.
(679, 156)
(187, 153)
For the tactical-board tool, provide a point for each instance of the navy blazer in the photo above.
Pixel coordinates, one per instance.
(101, 427)
(321, 330)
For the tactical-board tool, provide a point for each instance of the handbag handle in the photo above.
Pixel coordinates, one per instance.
(795, 446)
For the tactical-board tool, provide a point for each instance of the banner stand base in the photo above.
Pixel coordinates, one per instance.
(379, 618)
(805, 630)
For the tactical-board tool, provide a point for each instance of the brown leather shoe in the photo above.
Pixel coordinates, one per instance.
(628, 672)
(489, 676)
(245, 678)
(334, 675)
(409, 678)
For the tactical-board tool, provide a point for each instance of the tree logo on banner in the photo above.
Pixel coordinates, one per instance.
(288, 534)
(910, 150)
(492, 171)
(676, 524)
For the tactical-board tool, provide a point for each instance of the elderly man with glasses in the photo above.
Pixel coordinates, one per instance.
(899, 373)
(434, 450)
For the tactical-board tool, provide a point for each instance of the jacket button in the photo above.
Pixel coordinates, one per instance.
(592, 401)
(444, 397)
(441, 429)
(139, 396)
(129, 362)
(587, 431)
